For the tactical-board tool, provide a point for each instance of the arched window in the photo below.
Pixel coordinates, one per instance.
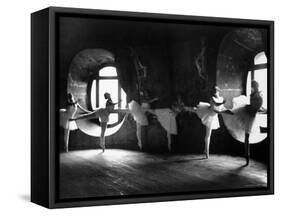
(107, 81)
(259, 73)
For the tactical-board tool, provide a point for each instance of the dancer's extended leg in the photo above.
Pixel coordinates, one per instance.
(207, 141)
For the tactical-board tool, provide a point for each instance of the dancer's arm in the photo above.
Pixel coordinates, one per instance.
(85, 116)
(83, 109)
(121, 111)
(113, 104)
(222, 110)
(190, 109)
(152, 100)
(152, 111)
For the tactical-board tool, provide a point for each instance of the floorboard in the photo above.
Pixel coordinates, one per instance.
(90, 173)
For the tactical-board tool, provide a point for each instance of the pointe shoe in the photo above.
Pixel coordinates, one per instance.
(140, 146)
(102, 147)
(206, 155)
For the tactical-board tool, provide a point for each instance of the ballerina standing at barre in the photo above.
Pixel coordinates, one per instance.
(139, 113)
(165, 116)
(167, 119)
(208, 113)
(68, 113)
(103, 115)
(243, 115)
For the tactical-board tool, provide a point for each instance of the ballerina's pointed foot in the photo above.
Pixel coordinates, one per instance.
(140, 146)
(206, 155)
(102, 148)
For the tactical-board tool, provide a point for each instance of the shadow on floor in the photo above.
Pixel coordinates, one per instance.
(25, 197)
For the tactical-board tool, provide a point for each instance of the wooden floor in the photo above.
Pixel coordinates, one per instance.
(90, 173)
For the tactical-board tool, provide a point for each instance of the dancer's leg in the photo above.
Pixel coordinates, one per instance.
(102, 137)
(247, 148)
(207, 141)
(139, 135)
(169, 141)
(66, 138)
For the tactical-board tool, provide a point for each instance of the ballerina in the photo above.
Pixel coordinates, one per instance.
(139, 113)
(167, 119)
(165, 116)
(244, 115)
(208, 113)
(103, 115)
(68, 113)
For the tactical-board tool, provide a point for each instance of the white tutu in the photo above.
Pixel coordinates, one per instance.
(242, 121)
(241, 114)
(208, 116)
(167, 119)
(102, 114)
(138, 113)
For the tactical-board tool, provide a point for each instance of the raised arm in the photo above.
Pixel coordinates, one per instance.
(83, 109)
(152, 100)
(90, 115)
(221, 109)
(190, 109)
(120, 111)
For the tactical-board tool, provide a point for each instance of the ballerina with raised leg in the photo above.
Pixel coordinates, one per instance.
(244, 115)
(103, 115)
(208, 113)
(165, 116)
(65, 114)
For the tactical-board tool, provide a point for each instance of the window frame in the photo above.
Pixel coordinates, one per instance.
(97, 78)
(255, 67)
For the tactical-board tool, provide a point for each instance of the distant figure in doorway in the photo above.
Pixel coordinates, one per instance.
(103, 115)
(70, 112)
(208, 113)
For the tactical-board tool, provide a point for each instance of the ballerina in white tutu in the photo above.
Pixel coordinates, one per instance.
(165, 116)
(208, 113)
(103, 115)
(139, 113)
(68, 113)
(167, 119)
(244, 115)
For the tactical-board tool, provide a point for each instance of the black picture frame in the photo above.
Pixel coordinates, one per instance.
(44, 55)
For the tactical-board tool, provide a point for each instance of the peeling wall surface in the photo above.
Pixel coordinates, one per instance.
(235, 59)
(169, 52)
